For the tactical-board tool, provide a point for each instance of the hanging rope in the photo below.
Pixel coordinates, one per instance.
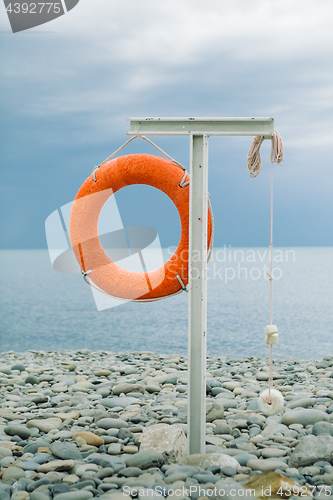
(254, 165)
(150, 142)
(182, 182)
(277, 156)
(254, 162)
(270, 385)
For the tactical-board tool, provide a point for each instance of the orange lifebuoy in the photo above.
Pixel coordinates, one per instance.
(110, 177)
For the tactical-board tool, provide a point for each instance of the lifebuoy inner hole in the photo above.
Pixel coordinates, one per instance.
(145, 212)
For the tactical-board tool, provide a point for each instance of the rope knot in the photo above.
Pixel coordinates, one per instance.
(94, 172)
(184, 288)
(85, 273)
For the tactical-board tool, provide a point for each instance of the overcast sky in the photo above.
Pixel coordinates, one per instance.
(68, 87)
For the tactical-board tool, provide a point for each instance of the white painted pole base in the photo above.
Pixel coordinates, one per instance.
(197, 320)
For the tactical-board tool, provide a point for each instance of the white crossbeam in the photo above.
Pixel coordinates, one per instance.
(199, 129)
(202, 126)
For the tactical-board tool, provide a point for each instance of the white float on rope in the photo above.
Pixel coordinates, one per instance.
(271, 402)
(271, 334)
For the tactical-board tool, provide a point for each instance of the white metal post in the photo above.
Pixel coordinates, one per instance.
(197, 311)
(199, 129)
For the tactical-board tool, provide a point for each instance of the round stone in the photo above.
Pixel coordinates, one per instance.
(145, 459)
(87, 470)
(304, 417)
(114, 449)
(130, 448)
(178, 476)
(229, 471)
(18, 367)
(231, 385)
(5, 369)
(31, 379)
(121, 402)
(151, 388)
(102, 373)
(266, 465)
(124, 388)
(5, 452)
(75, 495)
(46, 425)
(18, 430)
(39, 399)
(222, 428)
(112, 423)
(38, 495)
(318, 428)
(216, 412)
(13, 473)
(65, 450)
(273, 452)
(20, 495)
(90, 438)
(130, 472)
(56, 465)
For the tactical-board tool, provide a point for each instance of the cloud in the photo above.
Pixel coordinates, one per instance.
(67, 94)
(267, 56)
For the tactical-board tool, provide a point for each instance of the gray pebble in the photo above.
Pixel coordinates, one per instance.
(75, 495)
(130, 472)
(106, 460)
(18, 430)
(65, 450)
(34, 445)
(116, 401)
(112, 423)
(243, 458)
(304, 417)
(311, 449)
(145, 459)
(228, 471)
(320, 428)
(222, 428)
(38, 495)
(31, 379)
(13, 473)
(18, 367)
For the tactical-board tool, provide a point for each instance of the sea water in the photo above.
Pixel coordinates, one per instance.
(42, 309)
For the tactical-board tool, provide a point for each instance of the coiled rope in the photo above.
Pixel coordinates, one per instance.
(254, 162)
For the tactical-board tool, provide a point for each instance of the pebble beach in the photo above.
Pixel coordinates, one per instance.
(78, 424)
